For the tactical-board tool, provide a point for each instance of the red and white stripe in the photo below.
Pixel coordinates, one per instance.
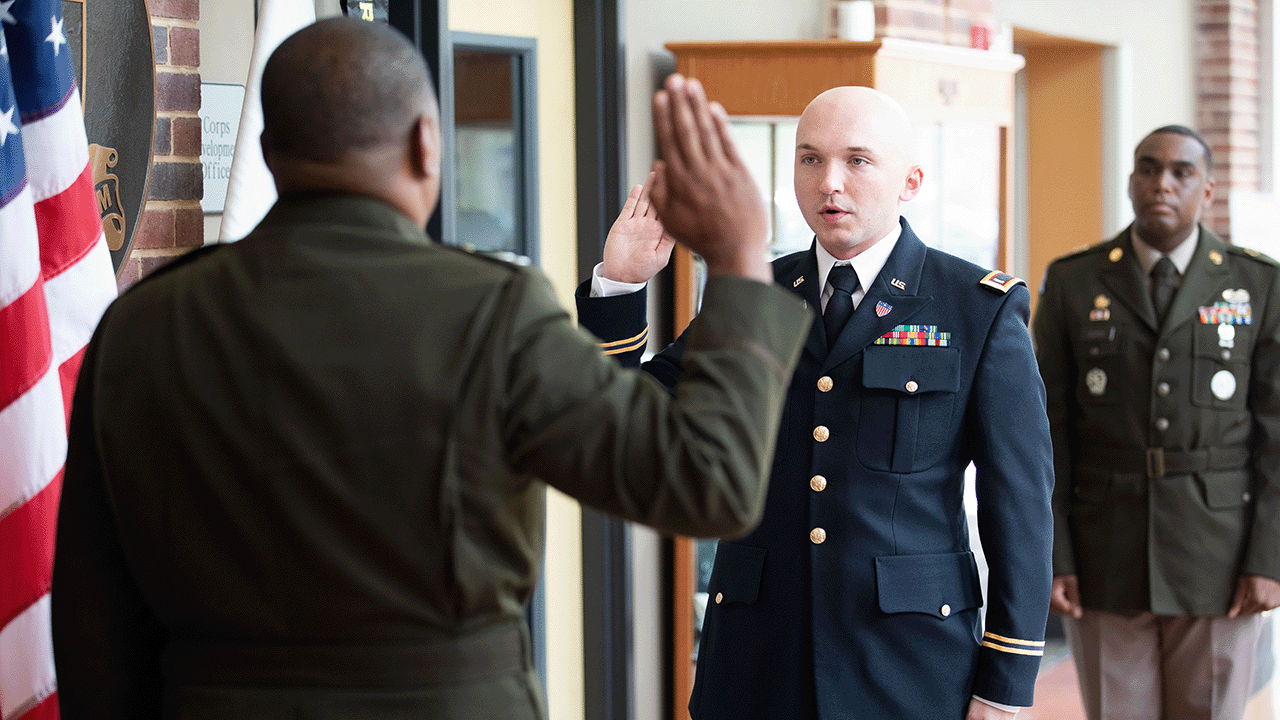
(56, 280)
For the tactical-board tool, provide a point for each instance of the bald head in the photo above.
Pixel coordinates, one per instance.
(342, 85)
(855, 163)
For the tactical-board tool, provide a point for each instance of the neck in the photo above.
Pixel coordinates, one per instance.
(1164, 243)
(372, 174)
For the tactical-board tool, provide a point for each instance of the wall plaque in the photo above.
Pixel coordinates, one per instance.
(115, 70)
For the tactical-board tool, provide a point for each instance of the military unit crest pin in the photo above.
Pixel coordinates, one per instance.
(1101, 309)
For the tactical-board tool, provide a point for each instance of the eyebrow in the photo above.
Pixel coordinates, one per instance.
(858, 148)
(1151, 160)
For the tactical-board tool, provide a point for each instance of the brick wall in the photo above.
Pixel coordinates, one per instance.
(1227, 98)
(172, 222)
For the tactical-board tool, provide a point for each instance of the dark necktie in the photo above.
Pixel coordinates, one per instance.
(843, 281)
(1164, 278)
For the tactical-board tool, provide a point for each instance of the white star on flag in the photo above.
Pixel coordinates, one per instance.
(56, 35)
(7, 127)
(4, 12)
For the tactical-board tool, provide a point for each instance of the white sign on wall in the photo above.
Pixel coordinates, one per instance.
(220, 105)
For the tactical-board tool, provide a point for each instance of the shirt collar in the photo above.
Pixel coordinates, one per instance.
(867, 264)
(1181, 255)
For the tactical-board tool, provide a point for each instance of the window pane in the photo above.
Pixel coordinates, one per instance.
(487, 172)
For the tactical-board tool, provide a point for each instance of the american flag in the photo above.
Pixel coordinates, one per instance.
(55, 281)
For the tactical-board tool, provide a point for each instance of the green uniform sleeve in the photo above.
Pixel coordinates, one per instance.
(694, 462)
(1053, 354)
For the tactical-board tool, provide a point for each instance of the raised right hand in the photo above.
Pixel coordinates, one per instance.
(1064, 597)
(703, 191)
(637, 247)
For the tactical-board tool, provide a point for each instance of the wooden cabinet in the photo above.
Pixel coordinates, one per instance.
(962, 102)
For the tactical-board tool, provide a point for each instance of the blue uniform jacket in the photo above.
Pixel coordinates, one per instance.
(857, 597)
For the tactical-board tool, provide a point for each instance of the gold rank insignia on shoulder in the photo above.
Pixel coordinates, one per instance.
(1116, 254)
(1251, 252)
(1215, 257)
(1000, 281)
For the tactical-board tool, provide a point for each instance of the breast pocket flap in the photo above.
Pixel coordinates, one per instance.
(912, 369)
(940, 585)
(736, 574)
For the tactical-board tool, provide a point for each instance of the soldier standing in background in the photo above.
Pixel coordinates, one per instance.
(1160, 352)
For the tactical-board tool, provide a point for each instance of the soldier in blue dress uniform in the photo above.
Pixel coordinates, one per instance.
(857, 597)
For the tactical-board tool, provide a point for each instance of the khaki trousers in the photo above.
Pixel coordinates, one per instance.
(1160, 667)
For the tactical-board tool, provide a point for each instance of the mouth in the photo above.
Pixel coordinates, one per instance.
(832, 213)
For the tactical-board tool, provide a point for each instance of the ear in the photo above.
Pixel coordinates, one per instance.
(911, 187)
(268, 151)
(1208, 192)
(425, 150)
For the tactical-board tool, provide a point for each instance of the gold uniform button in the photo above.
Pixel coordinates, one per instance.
(1226, 354)
(1163, 353)
(821, 433)
(818, 536)
(1162, 389)
(912, 386)
(825, 383)
(945, 610)
(1162, 424)
(818, 483)
(719, 598)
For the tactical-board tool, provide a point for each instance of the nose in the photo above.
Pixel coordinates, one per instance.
(832, 179)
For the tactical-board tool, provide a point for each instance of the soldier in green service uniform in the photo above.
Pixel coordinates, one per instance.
(1160, 351)
(307, 470)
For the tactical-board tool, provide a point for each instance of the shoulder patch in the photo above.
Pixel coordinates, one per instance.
(1000, 281)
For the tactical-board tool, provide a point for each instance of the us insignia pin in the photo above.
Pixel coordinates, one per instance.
(1116, 254)
(798, 281)
(898, 284)
(1215, 257)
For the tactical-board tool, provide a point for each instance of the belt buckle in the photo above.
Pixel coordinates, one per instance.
(1155, 463)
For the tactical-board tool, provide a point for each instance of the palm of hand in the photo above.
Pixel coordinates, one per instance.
(637, 248)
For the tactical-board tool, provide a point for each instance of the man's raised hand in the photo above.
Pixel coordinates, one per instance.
(637, 247)
(704, 193)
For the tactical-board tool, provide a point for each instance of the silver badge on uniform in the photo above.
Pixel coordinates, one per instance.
(1096, 381)
(1223, 384)
(1227, 336)
(1235, 296)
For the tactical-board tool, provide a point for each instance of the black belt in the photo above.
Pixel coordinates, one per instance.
(1159, 462)
(482, 655)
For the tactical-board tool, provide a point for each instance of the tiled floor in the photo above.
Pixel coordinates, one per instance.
(1057, 694)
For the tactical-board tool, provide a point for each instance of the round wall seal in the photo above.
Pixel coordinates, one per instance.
(115, 70)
